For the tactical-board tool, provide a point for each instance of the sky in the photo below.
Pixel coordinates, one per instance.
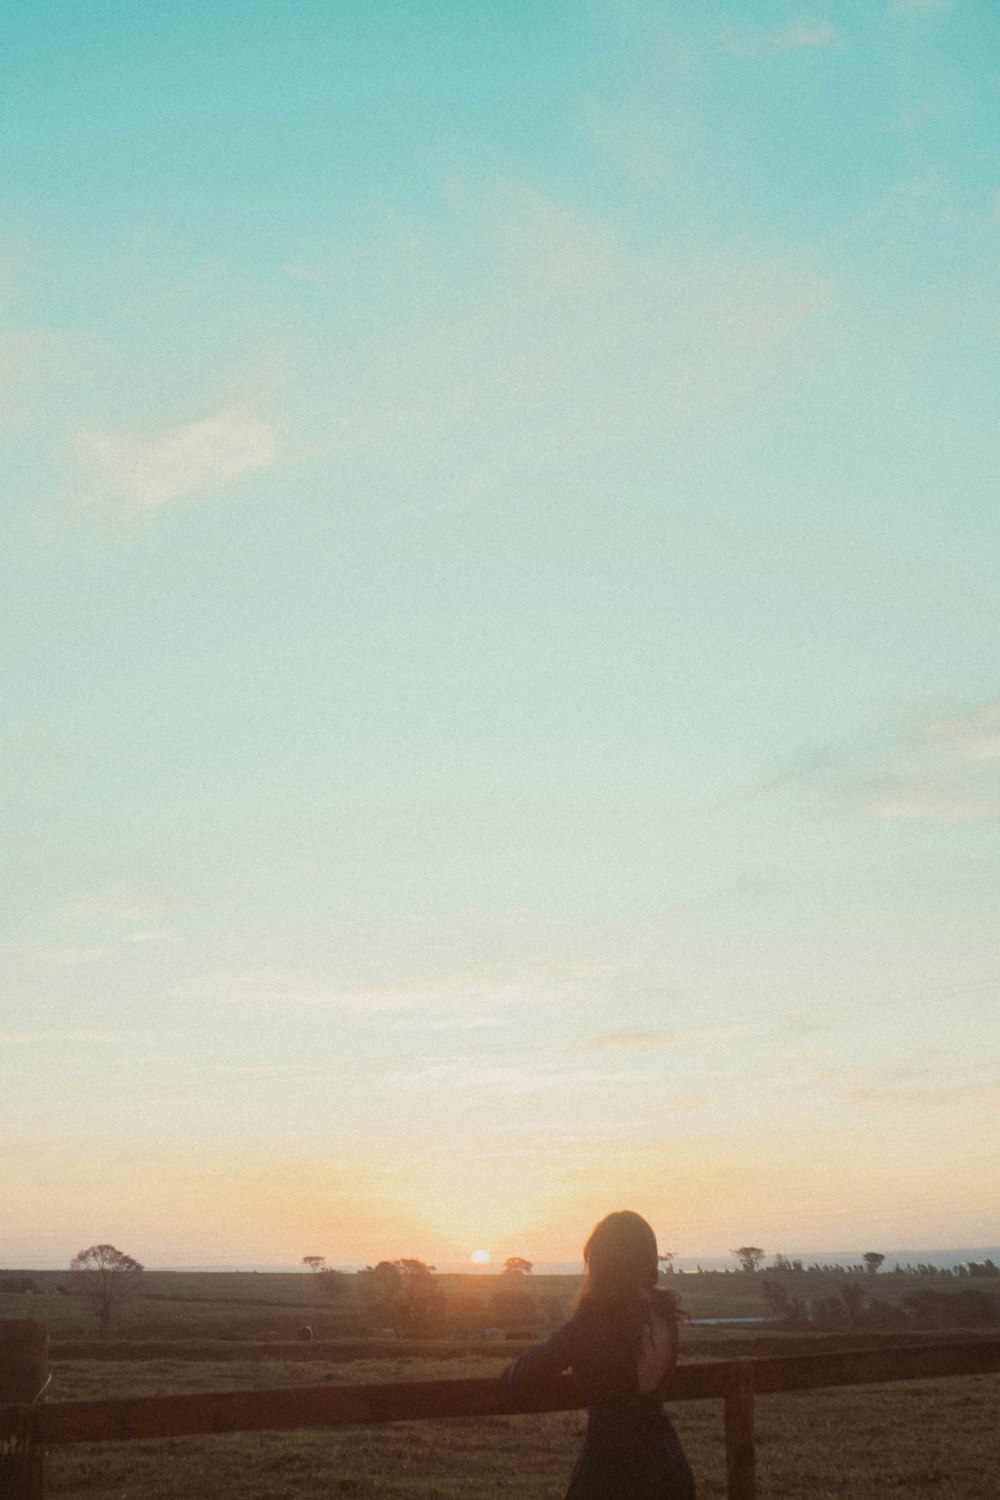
(498, 593)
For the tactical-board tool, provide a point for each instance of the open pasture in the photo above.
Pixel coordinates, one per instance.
(155, 1319)
(929, 1440)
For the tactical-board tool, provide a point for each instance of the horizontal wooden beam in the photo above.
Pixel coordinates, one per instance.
(339, 1406)
(292, 1406)
(805, 1372)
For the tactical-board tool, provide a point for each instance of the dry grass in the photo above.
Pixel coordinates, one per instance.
(933, 1440)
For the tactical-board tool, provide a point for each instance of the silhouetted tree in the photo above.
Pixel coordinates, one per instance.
(316, 1263)
(401, 1294)
(380, 1290)
(422, 1305)
(331, 1283)
(778, 1301)
(749, 1257)
(516, 1265)
(104, 1279)
(872, 1260)
(828, 1312)
(18, 1284)
(853, 1298)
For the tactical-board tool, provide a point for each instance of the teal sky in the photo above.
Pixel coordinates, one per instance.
(501, 714)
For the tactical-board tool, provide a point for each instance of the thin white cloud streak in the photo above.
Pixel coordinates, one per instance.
(63, 958)
(475, 1078)
(122, 904)
(34, 1038)
(589, 348)
(46, 955)
(145, 472)
(630, 136)
(913, 116)
(946, 770)
(797, 36)
(935, 806)
(639, 1040)
(585, 348)
(481, 991)
(971, 739)
(947, 774)
(916, 7)
(932, 1078)
(32, 360)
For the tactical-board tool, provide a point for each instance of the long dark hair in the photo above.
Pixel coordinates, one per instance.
(621, 1266)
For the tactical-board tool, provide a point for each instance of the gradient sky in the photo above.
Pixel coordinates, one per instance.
(499, 598)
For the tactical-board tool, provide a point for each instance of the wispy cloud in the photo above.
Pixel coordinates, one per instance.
(914, 7)
(929, 1078)
(28, 954)
(971, 739)
(36, 1038)
(140, 473)
(938, 806)
(35, 761)
(507, 1080)
(611, 1040)
(944, 770)
(32, 360)
(479, 992)
(949, 772)
(151, 935)
(121, 904)
(69, 958)
(590, 346)
(913, 116)
(795, 37)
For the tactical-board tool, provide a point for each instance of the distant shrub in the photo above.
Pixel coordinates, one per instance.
(331, 1283)
(18, 1285)
(965, 1309)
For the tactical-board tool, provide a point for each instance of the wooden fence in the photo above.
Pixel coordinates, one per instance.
(29, 1424)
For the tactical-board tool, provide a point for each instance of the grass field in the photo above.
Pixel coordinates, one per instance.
(935, 1440)
(921, 1441)
(182, 1304)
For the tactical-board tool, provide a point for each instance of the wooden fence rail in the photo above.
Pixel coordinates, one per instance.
(35, 1426)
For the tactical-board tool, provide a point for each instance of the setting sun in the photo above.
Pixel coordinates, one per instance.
(480, 1257)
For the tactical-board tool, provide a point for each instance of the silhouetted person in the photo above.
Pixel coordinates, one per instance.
(621, 1346)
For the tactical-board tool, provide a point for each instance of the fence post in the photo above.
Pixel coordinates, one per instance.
(741, 1460)
(24, 1373)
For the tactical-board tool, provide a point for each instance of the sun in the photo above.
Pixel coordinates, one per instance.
(480, 1257)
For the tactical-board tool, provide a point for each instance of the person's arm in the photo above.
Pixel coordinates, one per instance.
(548, 1360)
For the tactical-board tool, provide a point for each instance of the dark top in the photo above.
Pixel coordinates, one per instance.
(630, 1451)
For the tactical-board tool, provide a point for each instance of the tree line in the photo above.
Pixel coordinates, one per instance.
(751, 1258)
(403, 1296)
(854, 1308)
